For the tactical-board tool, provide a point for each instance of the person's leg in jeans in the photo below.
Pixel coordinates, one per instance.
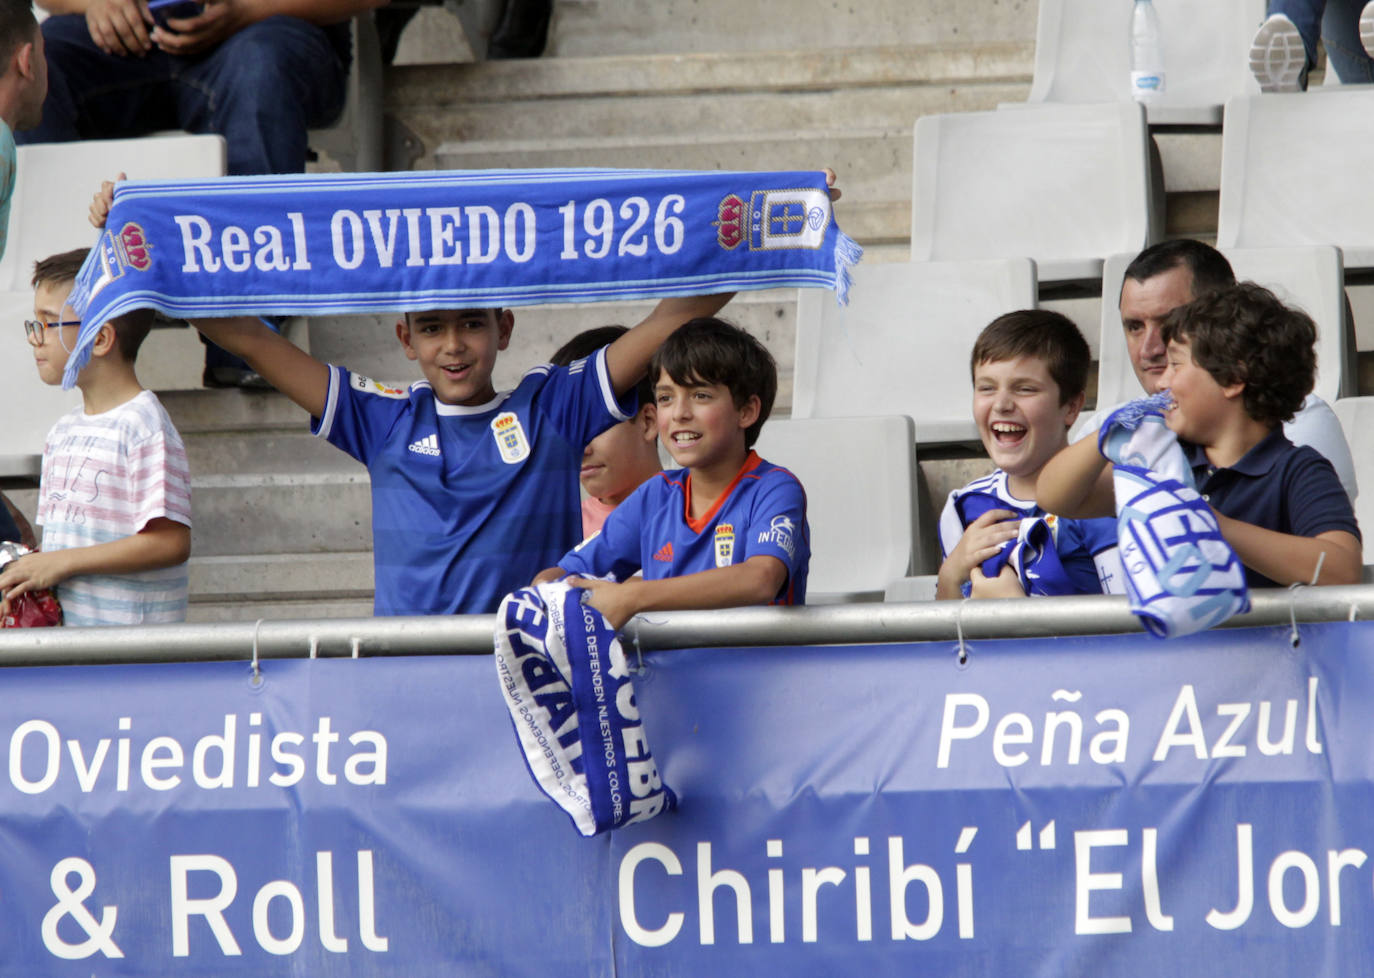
(1285, 47)
(261, 89)
(1345, 51)
(94, 95)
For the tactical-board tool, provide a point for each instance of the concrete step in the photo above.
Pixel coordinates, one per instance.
(268, 451)
(591, 27)
(283, 513)
(204, 411)
(323, 606)
(850, 109)
(264, 578)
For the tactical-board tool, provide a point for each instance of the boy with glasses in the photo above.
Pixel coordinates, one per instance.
(115, 497)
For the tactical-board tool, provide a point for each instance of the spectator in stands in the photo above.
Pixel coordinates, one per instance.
(23, 85)
(1285, 47)
(615, 462)
(473, 492)
(115, 496)
(1029, 370)
(1171, 274)
(729, 528)
(1239, 363)
(239, 68)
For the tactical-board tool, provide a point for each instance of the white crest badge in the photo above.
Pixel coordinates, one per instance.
(510, 438)
(725, 544)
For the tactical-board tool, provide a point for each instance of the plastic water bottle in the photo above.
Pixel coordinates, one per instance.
(1147, 53)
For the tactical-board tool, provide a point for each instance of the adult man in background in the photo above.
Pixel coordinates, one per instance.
(1171, 274)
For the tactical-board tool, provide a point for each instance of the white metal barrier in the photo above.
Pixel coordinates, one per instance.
(926, 621)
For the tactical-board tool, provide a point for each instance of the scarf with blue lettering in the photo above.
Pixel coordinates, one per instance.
(321, 244)
(1181, 574)
(567, 684)
(1032, 554)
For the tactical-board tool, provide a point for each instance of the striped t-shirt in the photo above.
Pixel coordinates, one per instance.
(105, 477)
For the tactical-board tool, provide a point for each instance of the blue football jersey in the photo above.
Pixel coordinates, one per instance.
(762, 512)
(1087, 549)
(469, 503)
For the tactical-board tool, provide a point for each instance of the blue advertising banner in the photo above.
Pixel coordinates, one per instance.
(1113, 806)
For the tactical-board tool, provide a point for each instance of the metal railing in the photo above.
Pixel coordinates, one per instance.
(925, 621)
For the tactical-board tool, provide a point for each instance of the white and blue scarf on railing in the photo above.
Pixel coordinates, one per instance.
(356, 243)
(568, 688)
(1181, 574)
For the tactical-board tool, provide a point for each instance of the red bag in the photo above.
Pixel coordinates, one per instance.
(32, 609)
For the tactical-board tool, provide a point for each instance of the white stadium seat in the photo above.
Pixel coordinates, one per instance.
(1295, 170)
(1357, 421)
(1060, 184)
(1082, 54)
(1309, 278)
(860, 481)
(902, 344)
(49, 215)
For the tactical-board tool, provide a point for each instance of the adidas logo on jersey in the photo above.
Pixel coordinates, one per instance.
(428, 445)
(665, 553)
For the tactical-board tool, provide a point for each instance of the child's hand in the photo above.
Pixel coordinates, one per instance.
(615, 601)
(830, 178)
(983, 538)
(548, 574)
(32, 572)
(1005, 585)
(104, 197)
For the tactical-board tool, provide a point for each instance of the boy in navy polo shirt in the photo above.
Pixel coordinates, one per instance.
(473, 492)
(728, 528)
(1240, 363)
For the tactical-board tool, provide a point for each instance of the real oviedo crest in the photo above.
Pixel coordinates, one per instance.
(510, 438)
(771, 220)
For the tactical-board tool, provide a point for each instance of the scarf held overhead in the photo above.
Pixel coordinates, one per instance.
(323, 244)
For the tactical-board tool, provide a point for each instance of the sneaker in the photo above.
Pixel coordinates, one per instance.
(1277, 57)
(1367, 28)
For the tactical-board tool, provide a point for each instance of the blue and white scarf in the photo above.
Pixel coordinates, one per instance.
(1181, 574)
(568, 688)
(374, 242)
(1033, 554)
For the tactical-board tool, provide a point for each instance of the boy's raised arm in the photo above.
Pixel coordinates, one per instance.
(628, 357)
(281, 363)
(1077, 483)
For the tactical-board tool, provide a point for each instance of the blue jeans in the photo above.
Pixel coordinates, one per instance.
(261, 89)
(1337, 22)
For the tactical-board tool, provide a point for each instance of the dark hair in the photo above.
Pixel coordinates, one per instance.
(1042, 334)
(1210, 270)
(131, 328)
(712, 351)
(587, 342)
(17, 26)
(1244, 334)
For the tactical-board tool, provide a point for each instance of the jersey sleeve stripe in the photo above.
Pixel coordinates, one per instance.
(330, 403)
(603, 379)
